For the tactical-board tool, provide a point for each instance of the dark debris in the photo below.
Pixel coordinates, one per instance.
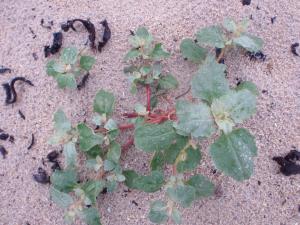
(41, 176)
(5, 69)
(3, 151)
(56, 45)
(254, 56)
(294, 49)
(246, 2)
(288, 165)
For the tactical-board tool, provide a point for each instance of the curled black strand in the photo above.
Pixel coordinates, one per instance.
(12, 91)
(83, 81)
(56, 45)
(89, 26)
(7, 90)
(106, 35)
(32, 142)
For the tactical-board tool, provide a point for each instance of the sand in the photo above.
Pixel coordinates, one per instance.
(276, 125)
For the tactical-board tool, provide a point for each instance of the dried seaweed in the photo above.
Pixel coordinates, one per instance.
(4, 69)
(83, 81)
(35, 56)
(56, 45)
(273, 19)
(256, 56)
(41, 177)
(32, 32)
(11, 94)
(106, 35)
(21, 114)
(55, 166)
(4, 136)
(3, 151)
(89, 26)
(49, 27)
(294, 49)
(246, 2)
(11, 139)
(32, 142)
(52, 156)
(288, 165)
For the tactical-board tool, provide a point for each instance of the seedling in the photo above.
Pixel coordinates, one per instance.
(171, 136)
(99, 147)
(70, 66)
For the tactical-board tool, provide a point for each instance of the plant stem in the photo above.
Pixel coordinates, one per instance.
(148, 91)
(131, 115)
(128, 144)
(123, 127)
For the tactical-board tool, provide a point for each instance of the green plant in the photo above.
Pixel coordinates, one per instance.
(71, 65)
(171, 135)
(101, 152)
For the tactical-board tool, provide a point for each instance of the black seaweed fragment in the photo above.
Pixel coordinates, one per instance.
(104, 191)
(49, 27)
(21, 114)
(32, 32)
(11, 94)
(83, 81)
(4, 69)
(294, 48)
(106, 35)
(4, 136)
(131, 32)
(11, 139)
(256, 56)
(56, 45)
(52, 156)
(89, 26)
(55, 166)
(246, 2)
(288, 165)
(273, 19)
(41, 176)
(35, 56)
(32, 142)
(135, 203)
(3, 151)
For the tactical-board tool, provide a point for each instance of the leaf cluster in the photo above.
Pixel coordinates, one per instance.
(70, 66)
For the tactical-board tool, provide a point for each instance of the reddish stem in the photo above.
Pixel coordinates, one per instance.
(148, 90)
(128, 144)
(131, 115)
(125, 126)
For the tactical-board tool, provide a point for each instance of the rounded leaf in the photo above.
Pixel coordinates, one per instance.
(192, 51)
(104, 102)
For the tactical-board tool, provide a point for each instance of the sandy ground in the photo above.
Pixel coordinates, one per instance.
(267, 198)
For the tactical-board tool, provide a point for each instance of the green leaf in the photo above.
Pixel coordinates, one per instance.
(132, 54)
(173, 151)
(66, 80)
(94, 164)
(62, 127)
(176, 217)
(194, 119)
(140, 109)
(158, 161)
(234, 107)
(114, 152)
(104, 102)
(50, 69)
(156, 70)
(167, 82)
(62, 199)
(159, 53)
(211, 36)
(192, 51)
(109, 165)
(70, 155)
(150, 183)
(69, 55)
(184, 195)
(203, 187)
(158, 212)
(249, 42)
(111, 125)
(87, 62)
(210, 82)
(230, 25)
(59, 67)
(188, 159)
(154, 137)
(232, 153)
(94, 152)
(90, 216)
(249, 86)
(141, 38)
(64, 181)
(92, 189)
(87, 138)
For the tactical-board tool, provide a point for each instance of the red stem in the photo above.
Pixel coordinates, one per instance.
(128, 144)
(131, 115)
(148, 90)
(126, 126)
